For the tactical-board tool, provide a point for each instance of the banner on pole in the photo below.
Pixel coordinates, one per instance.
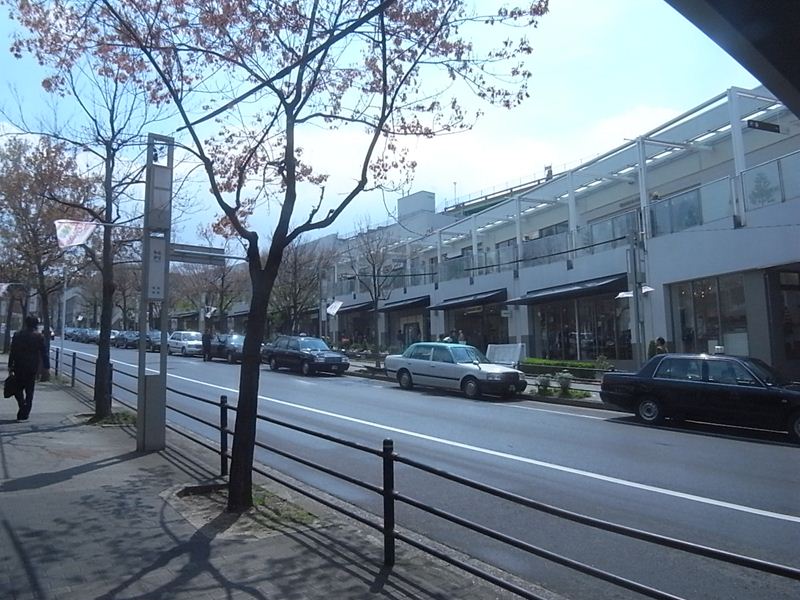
(73, 233)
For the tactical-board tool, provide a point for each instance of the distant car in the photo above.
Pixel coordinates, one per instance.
(305, 354)
(154, 340)
(127, 339)
(453, 367)
(185, 343)
(228, 346)
(716, 388)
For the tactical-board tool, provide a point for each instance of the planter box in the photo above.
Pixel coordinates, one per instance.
(577, 372)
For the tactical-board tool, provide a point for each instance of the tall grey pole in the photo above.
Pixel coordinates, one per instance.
(151, 401)
(63, 315)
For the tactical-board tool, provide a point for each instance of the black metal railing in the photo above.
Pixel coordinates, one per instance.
(391, 496)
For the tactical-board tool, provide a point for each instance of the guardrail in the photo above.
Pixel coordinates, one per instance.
(388, 526)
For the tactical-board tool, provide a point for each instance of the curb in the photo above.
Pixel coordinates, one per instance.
(366, 373)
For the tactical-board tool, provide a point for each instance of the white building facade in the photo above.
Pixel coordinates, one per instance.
(690, 232)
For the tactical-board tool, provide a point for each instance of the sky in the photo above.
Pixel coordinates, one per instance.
(603, 73)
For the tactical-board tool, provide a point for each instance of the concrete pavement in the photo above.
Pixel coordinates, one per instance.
(83, 515)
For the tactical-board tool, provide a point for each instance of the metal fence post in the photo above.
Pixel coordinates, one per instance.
(110, 381)
(74, 362)
(223, 435)
(388, 502)
(58, 356)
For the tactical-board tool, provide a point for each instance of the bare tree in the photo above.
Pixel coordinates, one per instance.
(372, 262)
(266, 75)
(296, 291)
(29, 174)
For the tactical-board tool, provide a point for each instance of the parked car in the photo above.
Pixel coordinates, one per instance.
(228, 346)
(127, 339)
(185, 343)
(154, 340)
(305, 354)
(453, 367)
(717, 388)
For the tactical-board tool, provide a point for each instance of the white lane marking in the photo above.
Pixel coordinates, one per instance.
(521, 459)
(554, 412)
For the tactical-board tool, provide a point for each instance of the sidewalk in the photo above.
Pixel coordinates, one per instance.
(83, 515)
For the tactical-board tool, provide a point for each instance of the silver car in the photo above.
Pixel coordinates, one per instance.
(185, 343)
(453, 367)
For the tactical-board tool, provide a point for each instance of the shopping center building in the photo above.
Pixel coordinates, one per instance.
(690, 232)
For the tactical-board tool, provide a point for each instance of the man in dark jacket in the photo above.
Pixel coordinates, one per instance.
(27, 357)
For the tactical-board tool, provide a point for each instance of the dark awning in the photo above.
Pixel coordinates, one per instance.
(418, 302)
(356, 307)
(472, 300)
(612, 283)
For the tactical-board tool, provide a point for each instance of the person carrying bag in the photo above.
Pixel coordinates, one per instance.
(28, 356)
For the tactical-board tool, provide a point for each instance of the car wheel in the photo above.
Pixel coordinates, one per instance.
(183, 351)
(231, 358)
(471, 388)
(305, 368)
(273, 364)
(404, 379)
(794, 426)
(649, 411)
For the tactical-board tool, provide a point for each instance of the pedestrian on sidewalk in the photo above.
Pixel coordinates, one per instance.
(28, 357)
(206, 339)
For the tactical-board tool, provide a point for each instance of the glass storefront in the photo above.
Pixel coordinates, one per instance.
(790, 296)
(583, 329)
(710, 312)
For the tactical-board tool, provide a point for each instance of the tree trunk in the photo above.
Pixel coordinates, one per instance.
(240, 483)
(102, 373)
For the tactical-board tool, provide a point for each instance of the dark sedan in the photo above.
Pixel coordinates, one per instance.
(228, 346)
(713, 388)
(305, 354)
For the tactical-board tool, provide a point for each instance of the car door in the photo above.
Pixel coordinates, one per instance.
(444, 370)
(736, 396)
(419, 363)
(294, 356)
(175, 342)
(279, 348)
(678, 385)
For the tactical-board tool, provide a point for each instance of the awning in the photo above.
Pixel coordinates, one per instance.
(418, 302)
(613, 283)
(472, 300)
(355, 307)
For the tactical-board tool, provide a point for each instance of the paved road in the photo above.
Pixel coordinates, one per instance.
(729, 489)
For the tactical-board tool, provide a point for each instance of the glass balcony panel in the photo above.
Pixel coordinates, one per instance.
(790, 176)
(762, 186)
(660, 218)
(686, 210)
(716, 200)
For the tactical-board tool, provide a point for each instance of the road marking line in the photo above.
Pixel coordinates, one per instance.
(513, 457)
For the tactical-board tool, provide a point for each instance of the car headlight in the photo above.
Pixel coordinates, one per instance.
(345, 359)
(494, 377)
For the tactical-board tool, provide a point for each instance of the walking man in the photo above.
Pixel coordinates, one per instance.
(28, 356)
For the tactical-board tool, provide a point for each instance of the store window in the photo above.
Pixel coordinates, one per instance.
(710, 312)
(583, 329)
(790, 294)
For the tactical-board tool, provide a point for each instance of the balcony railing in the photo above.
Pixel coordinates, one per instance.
(771, 183)
(707, 203)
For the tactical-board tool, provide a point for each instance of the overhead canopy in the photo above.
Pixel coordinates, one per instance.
(471, 300)
(418, 302)
(355, 307)
(613, 283)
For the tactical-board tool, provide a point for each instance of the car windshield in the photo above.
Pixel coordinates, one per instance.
(236, 339)
(192, 336)
(468, 354)
(765, 372)
(313, 344)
